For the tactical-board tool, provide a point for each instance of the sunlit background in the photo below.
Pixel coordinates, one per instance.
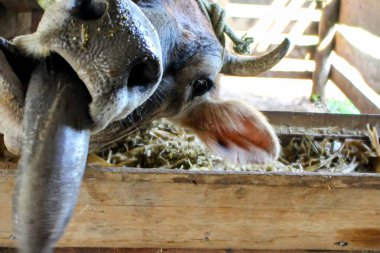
(288, 87)
(353, 81)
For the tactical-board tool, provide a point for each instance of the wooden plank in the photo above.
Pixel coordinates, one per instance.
(288, 74)
(14, 23)
(291, 68)
(330, 16)
(351, 82)
(160, 250)
(21, 5)
(364, 57)
(302, 40)
(359, 38)
(261, 11)
(363, 13)
(217, 210)
(322, 120)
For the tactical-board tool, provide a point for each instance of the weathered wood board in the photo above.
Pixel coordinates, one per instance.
(21, 5)
(18, 17)
(131, 208)
(358, 40)
(161, 250)
(323, 120)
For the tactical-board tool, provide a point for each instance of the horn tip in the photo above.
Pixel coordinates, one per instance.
(284, 46)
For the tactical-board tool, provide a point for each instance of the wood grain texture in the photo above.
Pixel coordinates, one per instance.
(355, 93)
(330, 16)
(160, 250)
(21, 5)
(322, 120)
(15, 23)
(126, 208)
(362, 14)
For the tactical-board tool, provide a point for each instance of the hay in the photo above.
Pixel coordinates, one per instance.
(162, 144)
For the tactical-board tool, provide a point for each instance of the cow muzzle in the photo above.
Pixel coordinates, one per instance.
(128, 68)
(112, 47)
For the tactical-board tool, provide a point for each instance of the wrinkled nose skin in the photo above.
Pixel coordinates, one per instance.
(128, 54)
(115, 51)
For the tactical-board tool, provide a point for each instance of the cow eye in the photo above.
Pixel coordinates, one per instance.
(201, 86)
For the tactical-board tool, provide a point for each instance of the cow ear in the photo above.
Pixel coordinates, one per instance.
(237, 132)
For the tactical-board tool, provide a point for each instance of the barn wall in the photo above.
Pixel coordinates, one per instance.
(17, 19)
(361, 14)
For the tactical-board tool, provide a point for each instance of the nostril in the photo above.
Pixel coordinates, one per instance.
(144, 74)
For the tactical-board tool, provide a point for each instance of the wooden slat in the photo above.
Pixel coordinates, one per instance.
(261, 11)
(359, 38)
(219, 210)
(302, 40)
(291, 68)
(288, 74)
(21, 5)
(322, 120)
(160, 250)
(350, 81)
(330, 16)
(15, 23)
(364, 56)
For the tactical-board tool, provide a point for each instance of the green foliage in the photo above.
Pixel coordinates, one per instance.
(45, 3)
(315, 98)
(342, 107)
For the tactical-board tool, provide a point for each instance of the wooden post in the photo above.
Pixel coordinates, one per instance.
(330, 16)
(18, 17)
(21, 5)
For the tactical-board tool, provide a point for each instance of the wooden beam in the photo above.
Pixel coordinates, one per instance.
(288, 74)
(21, 5)
(330, 16)
(18, 23)
(322, 120)
(351, 82)
(302, 40)
(160, 250)
(363, 56)
(291, 68)
(135, 208)
(260, 11)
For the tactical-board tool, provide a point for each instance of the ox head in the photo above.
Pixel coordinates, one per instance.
(112, 47)
(193, 57)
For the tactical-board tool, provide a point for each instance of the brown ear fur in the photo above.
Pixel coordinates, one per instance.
(237, 132)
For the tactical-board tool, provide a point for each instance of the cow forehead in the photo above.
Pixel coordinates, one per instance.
(191, 20)
(196, 37)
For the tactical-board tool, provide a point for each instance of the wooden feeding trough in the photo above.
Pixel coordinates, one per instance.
(177, 209)
(157, 210)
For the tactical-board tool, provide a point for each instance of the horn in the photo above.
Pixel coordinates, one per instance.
(90, 9)
(252, 66)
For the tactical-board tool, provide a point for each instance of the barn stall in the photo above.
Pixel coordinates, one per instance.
(294, 207)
